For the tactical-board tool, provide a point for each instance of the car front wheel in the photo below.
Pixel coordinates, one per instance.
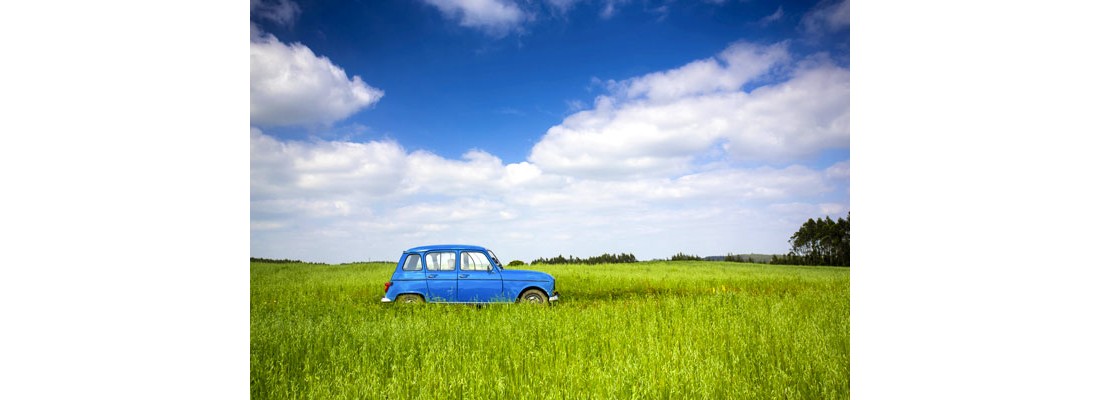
(532, 296)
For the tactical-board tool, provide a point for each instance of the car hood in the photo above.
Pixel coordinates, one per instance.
(521, 275)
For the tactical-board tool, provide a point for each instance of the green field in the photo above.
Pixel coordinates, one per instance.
(645, 330)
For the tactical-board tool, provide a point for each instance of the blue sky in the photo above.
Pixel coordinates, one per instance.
(124, 151)
(545, 127)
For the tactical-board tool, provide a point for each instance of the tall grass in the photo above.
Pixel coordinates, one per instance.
(645, 330)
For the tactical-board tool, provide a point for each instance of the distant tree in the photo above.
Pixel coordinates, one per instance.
(735, 258)
(515, 263)
(684, 257)
(821, 242)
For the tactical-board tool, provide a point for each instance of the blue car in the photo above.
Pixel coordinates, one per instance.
(455, 273)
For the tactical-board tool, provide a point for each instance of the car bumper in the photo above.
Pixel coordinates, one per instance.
(554, 297)
(386, 300)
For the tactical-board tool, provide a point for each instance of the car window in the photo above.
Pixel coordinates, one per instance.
(474, 261)
(440, 261)
(412, 263)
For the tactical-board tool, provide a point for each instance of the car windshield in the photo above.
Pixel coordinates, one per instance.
(495, 259)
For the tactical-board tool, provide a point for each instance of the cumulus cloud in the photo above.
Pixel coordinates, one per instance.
(706, 158)
(730, 70)
(290, 85)
(337, 201)
(792, 120)
(839, 171)
(495, 17)
(662, 122)
(324, 167)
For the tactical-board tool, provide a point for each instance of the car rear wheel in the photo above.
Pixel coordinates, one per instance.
(409, 298)
(533, 296)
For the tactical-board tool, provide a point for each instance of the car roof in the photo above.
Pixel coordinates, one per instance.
(444, 247)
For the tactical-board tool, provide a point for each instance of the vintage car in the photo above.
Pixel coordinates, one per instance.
(464, 274)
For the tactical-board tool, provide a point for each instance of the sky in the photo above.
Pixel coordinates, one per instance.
(126, 178)
(539, 128)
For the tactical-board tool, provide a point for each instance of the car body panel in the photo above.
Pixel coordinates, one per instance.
(408, 281)
(517, 281)
(462, 274)
(479, 286)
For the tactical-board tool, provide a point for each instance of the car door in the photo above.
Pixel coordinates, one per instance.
(478, 281)
(440, 275)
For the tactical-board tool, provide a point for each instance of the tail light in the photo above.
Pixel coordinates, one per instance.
(388, 284)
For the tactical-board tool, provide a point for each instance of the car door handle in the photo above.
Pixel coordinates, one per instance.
(463, 275)
(431, 275)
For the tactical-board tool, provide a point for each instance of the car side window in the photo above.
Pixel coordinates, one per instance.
(440, 261)
(412, 263)
(474, 261)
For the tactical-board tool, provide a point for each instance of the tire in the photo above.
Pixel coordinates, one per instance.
(408, 299)
(533, 296)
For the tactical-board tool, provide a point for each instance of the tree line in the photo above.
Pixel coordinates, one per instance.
(728, 257)
(604, 258)
(607, 258)
(272, 261)
(817, 242)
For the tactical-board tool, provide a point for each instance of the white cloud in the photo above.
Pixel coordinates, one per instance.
(324, 168)
(707, 158)
(662, 123)
(300, 206)
(841, 170)
(290, 85)
(827, 16)
(429, 173)
(794, 119)
(339, 201)
(619, 140)
(495, 17)
(730, 70)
